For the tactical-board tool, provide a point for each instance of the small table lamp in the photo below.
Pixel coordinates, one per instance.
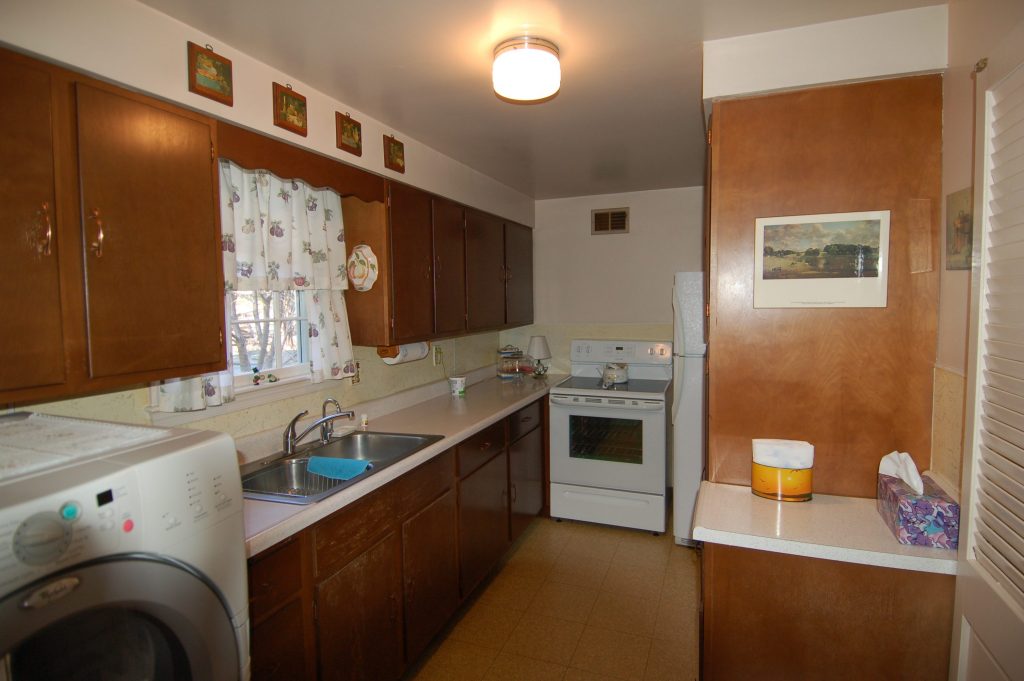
(538, 350)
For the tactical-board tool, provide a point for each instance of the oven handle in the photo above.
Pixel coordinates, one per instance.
(642, 405)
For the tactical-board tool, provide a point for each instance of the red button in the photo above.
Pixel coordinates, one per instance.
(128, 525)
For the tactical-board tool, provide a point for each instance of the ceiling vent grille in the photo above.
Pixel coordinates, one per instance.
(609, 221)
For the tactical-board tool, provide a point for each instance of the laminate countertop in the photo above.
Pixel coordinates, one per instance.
(268, 522)
(847, 529)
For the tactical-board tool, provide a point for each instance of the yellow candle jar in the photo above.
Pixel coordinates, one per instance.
(782, 469)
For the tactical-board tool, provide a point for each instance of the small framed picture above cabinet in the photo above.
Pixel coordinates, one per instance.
(289, 109)
(394, 154)
(209, 74)
(349, 133)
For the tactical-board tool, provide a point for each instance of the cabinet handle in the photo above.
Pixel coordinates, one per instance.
(97, 246)
(393, 615)
(515, 493)
(526, 419)
(485, 445)
(44, 242)
(437, 264)
(508, 274)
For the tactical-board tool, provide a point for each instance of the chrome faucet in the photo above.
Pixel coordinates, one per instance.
(290, 439)
(327, 429)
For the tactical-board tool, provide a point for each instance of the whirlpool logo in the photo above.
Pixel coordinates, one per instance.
(54, 591)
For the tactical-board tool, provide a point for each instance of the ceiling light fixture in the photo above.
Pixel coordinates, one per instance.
(526, 69)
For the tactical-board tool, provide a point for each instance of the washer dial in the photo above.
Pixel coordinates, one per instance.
(42, 538)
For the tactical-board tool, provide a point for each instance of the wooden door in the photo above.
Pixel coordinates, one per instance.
(518, 274)
(412, 263)
(359, 616)
(153, 267)
(431, 572)
(449, 267)
(31, 343)
(526, 480)
(483, 521)
(485, 271)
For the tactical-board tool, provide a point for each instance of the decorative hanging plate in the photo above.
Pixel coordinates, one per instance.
(362, 268)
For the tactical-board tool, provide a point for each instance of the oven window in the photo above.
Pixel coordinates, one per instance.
(606, 439)
(113, 644)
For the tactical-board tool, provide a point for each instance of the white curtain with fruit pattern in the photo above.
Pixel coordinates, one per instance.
(283, 235)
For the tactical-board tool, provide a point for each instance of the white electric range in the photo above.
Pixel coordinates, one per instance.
(608, 444)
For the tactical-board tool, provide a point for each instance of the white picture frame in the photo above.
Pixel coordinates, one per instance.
(824, 260)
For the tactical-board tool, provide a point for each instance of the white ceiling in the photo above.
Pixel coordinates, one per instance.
(628, 116)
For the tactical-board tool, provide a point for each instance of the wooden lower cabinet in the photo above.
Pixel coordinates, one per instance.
(483, 521)
(359, 616)
(776, 616)
(526, 480)
(275, 646)
(430, 570)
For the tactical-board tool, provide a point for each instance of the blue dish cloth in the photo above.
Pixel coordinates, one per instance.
(340, 469)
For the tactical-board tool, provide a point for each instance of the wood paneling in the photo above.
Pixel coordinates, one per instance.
(411, 263)
(255, 151)
(449, 267)
(31, 345)
(856, 383)
(773, 616)
(149, 188)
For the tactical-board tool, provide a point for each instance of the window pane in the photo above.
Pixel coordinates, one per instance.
(289, 303)
(261, 321)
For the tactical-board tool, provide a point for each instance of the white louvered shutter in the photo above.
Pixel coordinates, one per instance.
(998, 527)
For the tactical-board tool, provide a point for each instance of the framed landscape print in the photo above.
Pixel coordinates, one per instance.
(959, 230)
(209, 74)
(394, 154)
(349, 133)
(828, 260)
(289, 109)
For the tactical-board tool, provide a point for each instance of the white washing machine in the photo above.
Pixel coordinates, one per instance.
(122, 553)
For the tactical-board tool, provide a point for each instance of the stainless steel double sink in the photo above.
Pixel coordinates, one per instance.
(286, 478)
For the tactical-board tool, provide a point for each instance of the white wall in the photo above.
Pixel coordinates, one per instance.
(908, 41)
(134, 45)
(620, 278)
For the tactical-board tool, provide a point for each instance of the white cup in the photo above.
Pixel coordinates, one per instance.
(458, 386)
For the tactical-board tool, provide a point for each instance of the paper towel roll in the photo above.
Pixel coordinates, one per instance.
(408, 353)
(791, 454)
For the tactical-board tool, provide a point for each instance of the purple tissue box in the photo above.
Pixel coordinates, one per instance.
(929, 519)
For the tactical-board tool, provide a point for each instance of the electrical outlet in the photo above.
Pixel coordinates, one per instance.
(438, 356)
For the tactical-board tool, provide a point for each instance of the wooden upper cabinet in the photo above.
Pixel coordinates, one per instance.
(31, 343)
(449, 267)
(518, 274)
(485, 271)
(154, 281)
(411, 263)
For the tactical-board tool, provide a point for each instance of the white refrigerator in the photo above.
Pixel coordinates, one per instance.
(688, 363)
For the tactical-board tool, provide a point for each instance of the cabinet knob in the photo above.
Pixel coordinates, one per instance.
(43, 245)
(97, 246)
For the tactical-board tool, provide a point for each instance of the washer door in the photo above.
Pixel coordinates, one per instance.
(122, 618)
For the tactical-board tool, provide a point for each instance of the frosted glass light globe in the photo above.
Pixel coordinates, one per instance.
(526, 69)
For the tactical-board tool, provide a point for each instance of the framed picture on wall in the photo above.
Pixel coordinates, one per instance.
(289, 109)
(827, 260)
(394, 154)
(349, 133)
(209, 74)
(959, 230)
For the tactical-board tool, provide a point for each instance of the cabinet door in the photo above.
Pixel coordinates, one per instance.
(154, 284)
(31, 343)
(526, 480)
(483, 521)
(449, 267)
(485, 271)
(519, 274)
(277, 646)
(359, 616)
(412, 263)
(431, 572)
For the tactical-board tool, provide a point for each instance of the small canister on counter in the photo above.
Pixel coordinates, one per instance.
(781, 469)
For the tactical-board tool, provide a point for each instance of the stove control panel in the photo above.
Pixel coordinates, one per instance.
(625, 352)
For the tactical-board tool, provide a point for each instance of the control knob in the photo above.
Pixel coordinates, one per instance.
(42, 538)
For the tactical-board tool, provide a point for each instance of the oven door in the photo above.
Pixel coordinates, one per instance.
(618, 446)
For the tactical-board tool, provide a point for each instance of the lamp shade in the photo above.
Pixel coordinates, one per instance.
(526, 69)
(538, 348)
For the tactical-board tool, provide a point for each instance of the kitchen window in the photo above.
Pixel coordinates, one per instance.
(269, 336)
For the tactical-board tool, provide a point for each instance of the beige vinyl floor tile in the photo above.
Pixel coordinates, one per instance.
(510, 590)
(511, 667)
(625, 613)
(641, 581)
(583, 675)
(672, 661)
(592, 546)
(564, 601)
(573, 570)
(487, 625)
(642, 550)
(545, 638)
(456, 660)
(614, 653)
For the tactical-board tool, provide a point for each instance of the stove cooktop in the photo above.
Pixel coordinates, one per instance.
(647, 388)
